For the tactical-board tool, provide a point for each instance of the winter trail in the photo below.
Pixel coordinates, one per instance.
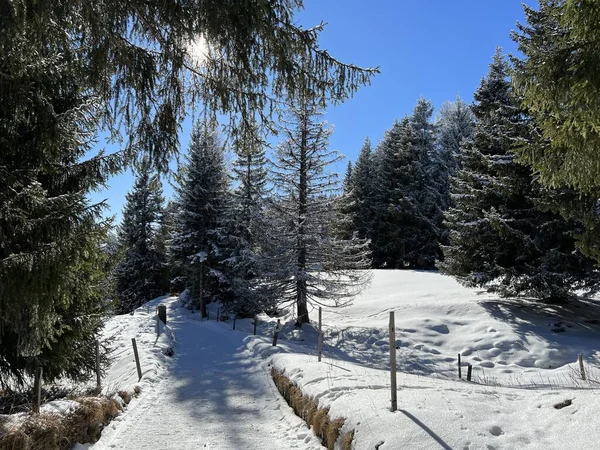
(214, 396)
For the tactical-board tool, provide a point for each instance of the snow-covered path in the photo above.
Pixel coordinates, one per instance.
(215, 395)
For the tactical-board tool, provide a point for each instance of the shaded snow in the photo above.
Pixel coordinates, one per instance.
(216, 392)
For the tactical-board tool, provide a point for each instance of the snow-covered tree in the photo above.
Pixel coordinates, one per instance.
(356, 201)
(312, 266)
(502, 236)
(406, 200)
(141, 274)
(454, 124)
(202, 202)
(52, 279)
(247, 259)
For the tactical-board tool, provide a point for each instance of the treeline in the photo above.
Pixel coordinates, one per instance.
(254, 238)
(452, 194)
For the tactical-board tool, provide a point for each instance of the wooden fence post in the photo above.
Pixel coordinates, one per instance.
(37, 389)
(98, 372)
(581, 368)
(469, 371)
(276, 334)
(137, 359)
(459, 368)
(162, 313)
(255, 324)
(320, 339)
(157, 325)
(234, 319)
(393, 361)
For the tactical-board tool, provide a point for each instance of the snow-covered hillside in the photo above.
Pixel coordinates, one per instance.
(216, 391)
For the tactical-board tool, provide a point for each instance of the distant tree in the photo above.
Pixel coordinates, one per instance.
(559, 82)
(202, 200)
(141, 274)
(503, 237)
(357, 197)
(249, 227)
(455, 123)
(407, 199)
(312, 265)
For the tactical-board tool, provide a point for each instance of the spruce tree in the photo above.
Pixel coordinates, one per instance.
(139, 60)
(141, 274)
(357, 198)
(558, 80)
(407, 199)
(503, 237)
(202, 200)
(247, 259)
(454, 124)
(52, 282)
(312, 266)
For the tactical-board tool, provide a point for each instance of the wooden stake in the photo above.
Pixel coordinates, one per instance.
(157, 325)
(459, 368)
(255, 324)
(581, 368)
(469, 372)
(320, 341)
(234, 319)
(37, 389)
(98, 374)
(393, 362)
(137, 359)
(276, 334)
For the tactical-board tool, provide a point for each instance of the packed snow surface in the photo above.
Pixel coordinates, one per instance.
(216, 392)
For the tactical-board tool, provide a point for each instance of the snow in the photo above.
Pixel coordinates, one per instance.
(216, 391)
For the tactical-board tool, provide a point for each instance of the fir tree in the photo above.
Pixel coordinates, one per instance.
(52, 281)
(502, 236)
(141, 274)
(312, 266)
(139, 60)
(248, 226)
(454, 124)
(358, 195)
(407, 199)
(558, 81)
(202, 202)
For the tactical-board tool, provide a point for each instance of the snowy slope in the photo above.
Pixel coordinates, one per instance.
(524, 367)
(216, 391)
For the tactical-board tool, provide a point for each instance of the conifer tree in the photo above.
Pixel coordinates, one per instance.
(313, 266)
(248, 227)
(141, 274)
(202, 201)
(140, 60)
(407, 199)
(454, 124)
(503, 237)
(52, 280)
(558, 81)
(358, 195)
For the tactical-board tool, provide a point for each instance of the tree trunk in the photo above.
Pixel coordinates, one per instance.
(301, 302)
(301, 241)
(203, 312)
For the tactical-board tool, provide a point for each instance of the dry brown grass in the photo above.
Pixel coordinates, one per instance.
(308, 409)
(347, 440)
(125, 396)
(61, 432)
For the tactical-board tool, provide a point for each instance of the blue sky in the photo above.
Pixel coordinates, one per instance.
(436, 49)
